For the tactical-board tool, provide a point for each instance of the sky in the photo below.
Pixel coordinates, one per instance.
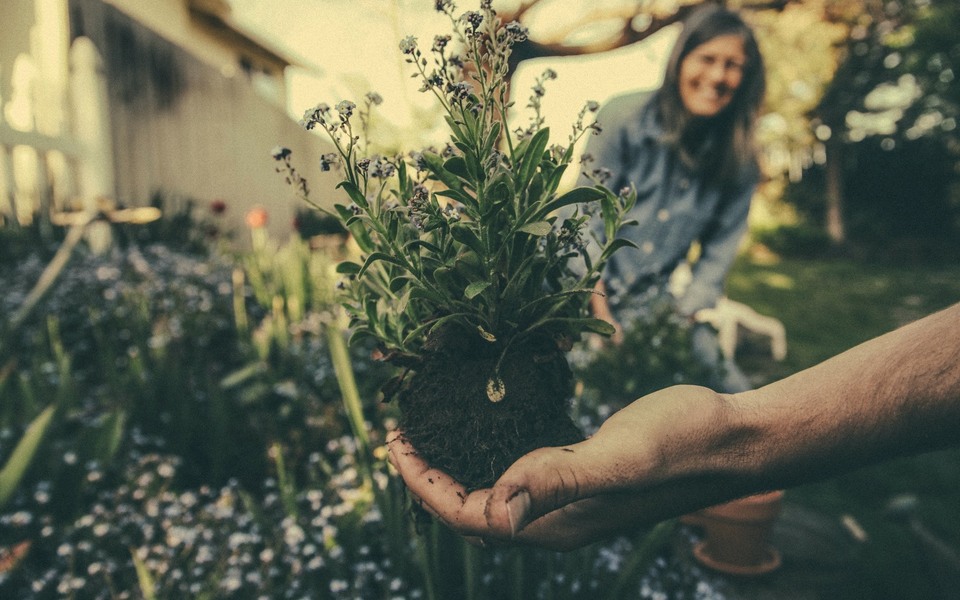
(352, 47)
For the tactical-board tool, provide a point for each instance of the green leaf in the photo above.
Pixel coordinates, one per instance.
(430, 325)
(491, 139)
(398, 283)
(465, 235)
(538, 228)
(23, 454)
(475, 289)
(414, 245)
(535, 190)
(575, 196)
(460, 196)
(357, 229)
(458, 166)
(595, 325)
(532, 156)
(456, 129)
(403, 301)
(577, 324)
(443, 276)
(107, 439)
(358, 198)
(376, 256)
(435, 165)
(144, 578)
(553, 181)
(614, 246)
(348, 268)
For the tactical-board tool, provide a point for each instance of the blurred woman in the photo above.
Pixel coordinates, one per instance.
(687, 149)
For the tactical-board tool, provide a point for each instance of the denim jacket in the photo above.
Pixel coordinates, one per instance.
(675, 207)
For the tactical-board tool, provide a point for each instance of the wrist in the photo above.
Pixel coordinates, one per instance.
(717, 443)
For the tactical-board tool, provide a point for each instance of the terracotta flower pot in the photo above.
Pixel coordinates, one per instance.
(737, 535)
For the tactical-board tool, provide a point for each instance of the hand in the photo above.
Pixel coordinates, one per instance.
(601, 310)
(566, 497)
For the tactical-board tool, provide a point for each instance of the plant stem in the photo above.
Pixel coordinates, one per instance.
(351, 396)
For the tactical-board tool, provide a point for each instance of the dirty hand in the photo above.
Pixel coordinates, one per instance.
(566, 497)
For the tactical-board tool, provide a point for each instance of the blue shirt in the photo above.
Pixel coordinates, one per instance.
(675, 207)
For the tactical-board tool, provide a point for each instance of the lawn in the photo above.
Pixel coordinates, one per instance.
(827, 307)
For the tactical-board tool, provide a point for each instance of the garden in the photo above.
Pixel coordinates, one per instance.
(184, 423)
(186, 415)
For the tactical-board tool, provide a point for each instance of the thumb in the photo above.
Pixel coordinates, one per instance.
(538, 483)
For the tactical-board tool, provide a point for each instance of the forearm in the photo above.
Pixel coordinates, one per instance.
(894, 395)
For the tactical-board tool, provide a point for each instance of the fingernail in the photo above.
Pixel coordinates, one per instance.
(517, 509)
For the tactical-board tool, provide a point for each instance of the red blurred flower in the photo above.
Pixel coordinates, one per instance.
(257, 218)
(218, 207)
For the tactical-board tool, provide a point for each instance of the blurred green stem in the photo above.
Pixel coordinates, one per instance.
(351, 396)
(49, 275)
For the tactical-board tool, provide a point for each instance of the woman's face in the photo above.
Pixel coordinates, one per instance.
(710, 75)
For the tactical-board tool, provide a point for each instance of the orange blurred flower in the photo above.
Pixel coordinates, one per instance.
(257, 218)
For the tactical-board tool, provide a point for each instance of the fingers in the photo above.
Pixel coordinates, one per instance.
(540, 482)
(438, 493)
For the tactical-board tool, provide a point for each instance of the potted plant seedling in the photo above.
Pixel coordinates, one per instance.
(468, 280)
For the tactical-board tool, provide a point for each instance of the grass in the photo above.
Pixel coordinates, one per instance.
(828, 307)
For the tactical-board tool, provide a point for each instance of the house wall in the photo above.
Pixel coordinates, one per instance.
(174, 124)
(182, 129)
(171, 19)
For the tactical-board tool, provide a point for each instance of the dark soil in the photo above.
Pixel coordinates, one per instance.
(447, 416)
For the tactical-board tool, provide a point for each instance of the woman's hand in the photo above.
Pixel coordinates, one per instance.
(600, 309)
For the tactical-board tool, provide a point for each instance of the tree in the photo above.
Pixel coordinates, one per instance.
(586, 28)
(896, 84)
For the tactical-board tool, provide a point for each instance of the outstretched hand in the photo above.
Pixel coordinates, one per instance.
(565, 497)
(687, 447)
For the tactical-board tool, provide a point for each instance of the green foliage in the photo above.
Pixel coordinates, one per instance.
(22, 455)
(798, 241)
(467, 235)
(656, 353)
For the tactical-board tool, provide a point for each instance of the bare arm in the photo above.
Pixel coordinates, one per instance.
(687, 447)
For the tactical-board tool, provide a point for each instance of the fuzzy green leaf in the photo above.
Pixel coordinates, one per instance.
(532, 156)
(475, 289)
(575, 196)
(348, 268)
(553, 180)
(435, 165)
(357, 228)
(538, 228)
(430, 325)
(614, 246)
(358, 198)
(415, 245)
(465, 235)
(491, 139)
(460, 196)
(377, 256)
(458, 166)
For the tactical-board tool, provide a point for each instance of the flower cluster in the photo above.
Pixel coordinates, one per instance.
(468, 235)
(206, 541)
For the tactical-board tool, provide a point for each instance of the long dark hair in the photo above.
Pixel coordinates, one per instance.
(732, 129)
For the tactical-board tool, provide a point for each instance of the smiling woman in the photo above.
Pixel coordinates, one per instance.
(711, 75)
(687, 149)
